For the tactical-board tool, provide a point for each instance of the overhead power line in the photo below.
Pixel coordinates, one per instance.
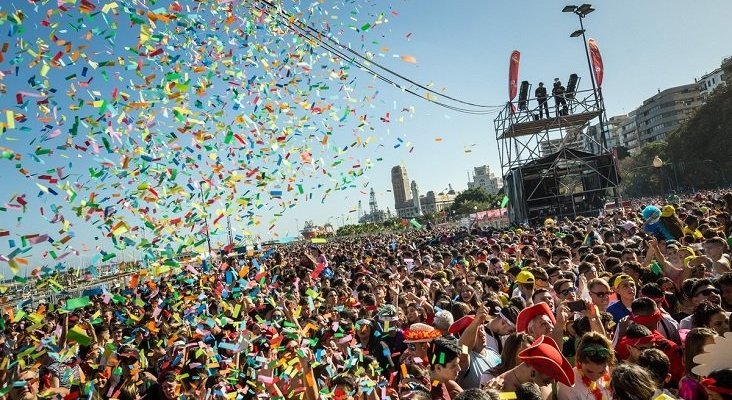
(355, 58)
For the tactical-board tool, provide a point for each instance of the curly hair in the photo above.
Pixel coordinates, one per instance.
(704, 312)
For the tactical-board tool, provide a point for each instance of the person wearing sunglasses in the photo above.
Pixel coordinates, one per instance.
(702, 290)
(565, 290)
(599, 293)
(595, 357)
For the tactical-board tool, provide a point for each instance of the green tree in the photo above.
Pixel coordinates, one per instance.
(695, 156)
(474, 199)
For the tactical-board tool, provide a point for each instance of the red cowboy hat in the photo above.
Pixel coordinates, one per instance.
(460, 325)
(527, 314)
(544, 356)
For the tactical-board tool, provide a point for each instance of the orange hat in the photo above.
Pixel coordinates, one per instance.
(420, 333)
(460, 325)
(544, 356)
(527, 314)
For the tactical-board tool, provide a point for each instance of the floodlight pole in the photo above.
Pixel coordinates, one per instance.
(598, 96)
(205, 218)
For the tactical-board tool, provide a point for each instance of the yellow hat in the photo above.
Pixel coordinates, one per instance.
(548, 222)
(620, 279)
(525, 277)
(668, 210)
(689, 249)
(687, 260)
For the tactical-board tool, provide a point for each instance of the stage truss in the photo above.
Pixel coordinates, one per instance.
(553, 151)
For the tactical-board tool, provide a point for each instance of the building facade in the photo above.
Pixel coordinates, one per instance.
(613, 137)
(416, 200)
(708, 83)
(402, 192)
(434, 203)
(408, 203)
(485, 179)
(727, 68)
(664, 112)
(572, 140)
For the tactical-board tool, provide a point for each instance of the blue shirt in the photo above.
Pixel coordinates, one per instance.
(618, 311)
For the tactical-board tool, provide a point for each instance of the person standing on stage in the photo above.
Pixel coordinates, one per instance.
(558, 93)
(541, 97)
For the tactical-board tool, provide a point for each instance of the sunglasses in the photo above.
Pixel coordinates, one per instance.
(567, 291)
(601, 295)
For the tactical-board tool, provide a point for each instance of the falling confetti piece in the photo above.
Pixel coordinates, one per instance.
(409, 59)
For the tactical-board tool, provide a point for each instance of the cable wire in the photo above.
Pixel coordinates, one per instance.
(303, 29)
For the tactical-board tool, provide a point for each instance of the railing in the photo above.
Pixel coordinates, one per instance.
(72, 282)
(583, 101)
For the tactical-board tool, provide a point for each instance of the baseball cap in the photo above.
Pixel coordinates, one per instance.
(620, 279)
(525, 277)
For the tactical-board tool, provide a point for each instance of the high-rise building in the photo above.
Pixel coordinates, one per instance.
(485, 179)
(613, 137)
(416, 199)
(628, 132)
(400, 186)
(664, 112)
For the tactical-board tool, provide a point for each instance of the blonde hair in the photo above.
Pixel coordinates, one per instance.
(695, 341)
(598, 281)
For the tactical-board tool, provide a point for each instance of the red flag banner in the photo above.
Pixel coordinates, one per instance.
(596, 58)
(513, 70)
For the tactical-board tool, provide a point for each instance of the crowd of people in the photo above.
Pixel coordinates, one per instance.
(633, 305)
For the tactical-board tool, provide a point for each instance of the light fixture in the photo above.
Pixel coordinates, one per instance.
(657, 162)
(584, 9)
(569, 8)
(578, 32)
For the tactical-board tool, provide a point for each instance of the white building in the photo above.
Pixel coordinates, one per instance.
(485, 179)
(708, 83)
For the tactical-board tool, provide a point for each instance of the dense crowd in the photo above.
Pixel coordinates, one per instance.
(630, 305)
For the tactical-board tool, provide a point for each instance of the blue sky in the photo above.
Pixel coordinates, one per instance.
(462, 49)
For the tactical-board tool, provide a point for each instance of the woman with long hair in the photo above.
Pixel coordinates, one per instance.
(513, 345)
(631, 382)
(712, 316)
(595, 357)
(690, 387)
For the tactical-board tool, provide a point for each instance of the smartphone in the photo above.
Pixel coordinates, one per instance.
(577, 306)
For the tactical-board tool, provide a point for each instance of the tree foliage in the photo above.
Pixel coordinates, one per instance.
(474, 199)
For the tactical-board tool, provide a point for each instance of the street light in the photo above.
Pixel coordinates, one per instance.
(581, 12)
(657, 162)
(205, 217)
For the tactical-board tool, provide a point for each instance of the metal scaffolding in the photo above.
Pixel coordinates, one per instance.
(545, 163)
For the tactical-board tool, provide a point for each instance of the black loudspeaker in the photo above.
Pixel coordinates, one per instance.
(523, 95)
(571, 86)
